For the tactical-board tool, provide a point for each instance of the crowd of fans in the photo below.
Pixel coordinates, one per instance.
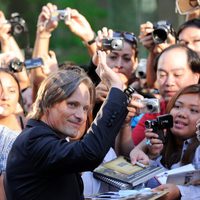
(59, 121)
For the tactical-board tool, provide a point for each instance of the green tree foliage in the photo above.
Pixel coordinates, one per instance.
(124, 15)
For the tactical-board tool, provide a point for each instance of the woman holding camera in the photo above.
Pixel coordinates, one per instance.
(182, 146)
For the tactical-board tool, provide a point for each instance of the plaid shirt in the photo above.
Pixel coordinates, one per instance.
(7, 137)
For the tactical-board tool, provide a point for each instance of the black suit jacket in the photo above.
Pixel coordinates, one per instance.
(42, 166)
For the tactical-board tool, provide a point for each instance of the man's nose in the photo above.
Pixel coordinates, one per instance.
(80, 113)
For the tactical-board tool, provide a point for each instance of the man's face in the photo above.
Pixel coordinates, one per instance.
(191, 37)
(174, 73)
(69, 116)
(123, 62)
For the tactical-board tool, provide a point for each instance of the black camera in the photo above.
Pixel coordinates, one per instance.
(159, 124)
(59, 15)
(16, 65)
(18, 24)
(112, 44)
(161, 30)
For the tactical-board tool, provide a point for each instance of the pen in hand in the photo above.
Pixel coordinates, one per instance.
(140, 164)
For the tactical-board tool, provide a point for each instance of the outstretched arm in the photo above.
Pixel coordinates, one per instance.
(79, 25)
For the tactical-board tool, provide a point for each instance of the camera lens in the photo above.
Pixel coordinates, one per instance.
(159, 35)
(152, 107)
(117, 44)
(141, 74)
(16, 65)
(17, 29)
(148, 124)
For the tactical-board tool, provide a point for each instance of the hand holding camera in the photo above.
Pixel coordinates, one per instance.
(59, 15)
(145, 36)
(45, 24)
(159, 124)
(107, 42)
(16, 65)
(154, 36)
(161, 30)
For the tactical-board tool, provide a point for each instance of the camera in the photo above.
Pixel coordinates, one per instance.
(159, 124)
(113, 44)
(59, 15)
(149, 105)
(161, 30)
(16, 65)
(141, 69)
(18, 24)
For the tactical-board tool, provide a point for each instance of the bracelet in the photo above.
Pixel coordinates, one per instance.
(90, 42)
(129, 91)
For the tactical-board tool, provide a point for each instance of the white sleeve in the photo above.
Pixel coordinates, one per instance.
(189, 192)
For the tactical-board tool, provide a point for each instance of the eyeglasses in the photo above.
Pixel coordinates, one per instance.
(128, 36)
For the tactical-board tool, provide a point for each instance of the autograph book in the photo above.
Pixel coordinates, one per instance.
(123, 175)
(185, 178)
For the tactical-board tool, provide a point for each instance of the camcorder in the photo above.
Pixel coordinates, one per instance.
(18, 24)
(161, 30)
(59, 15)
(16, 65)
(159, 124)
(112, 44)
(151, 105)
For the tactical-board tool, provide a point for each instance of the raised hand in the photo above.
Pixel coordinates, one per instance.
(45, 24)
(5, 28)
(107, 75)
(79, 25)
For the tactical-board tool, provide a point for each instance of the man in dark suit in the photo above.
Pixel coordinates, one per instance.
(43, 164)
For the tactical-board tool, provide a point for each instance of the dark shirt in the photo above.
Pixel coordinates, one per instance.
(42, 166)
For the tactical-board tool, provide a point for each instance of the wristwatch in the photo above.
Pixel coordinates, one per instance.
(90, 42)
(129, 91)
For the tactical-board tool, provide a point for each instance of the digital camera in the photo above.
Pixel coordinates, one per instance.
(141, 69)
(59, 15)
(16, 65)
(149, 105)
(113, 44)
(18, 24)
(159, 124)
(161, 30)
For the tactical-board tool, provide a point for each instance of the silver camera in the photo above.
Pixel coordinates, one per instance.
(141, 69)
(59, 15)
(113, 44)
(149, 105)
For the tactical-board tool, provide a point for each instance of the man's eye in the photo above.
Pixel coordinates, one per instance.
(113, 57)
(127, 59)
(194, 110)
(72, 105)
